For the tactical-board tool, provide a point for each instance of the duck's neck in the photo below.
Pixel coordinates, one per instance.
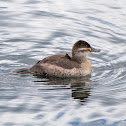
(79, 59)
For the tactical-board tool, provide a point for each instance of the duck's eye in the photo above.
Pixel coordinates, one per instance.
(86, 46)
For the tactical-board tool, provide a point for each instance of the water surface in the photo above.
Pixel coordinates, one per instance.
(31, 30)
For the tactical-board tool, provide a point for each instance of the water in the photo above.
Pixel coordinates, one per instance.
(31, 30)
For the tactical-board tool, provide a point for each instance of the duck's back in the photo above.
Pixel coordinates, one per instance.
(56, 65)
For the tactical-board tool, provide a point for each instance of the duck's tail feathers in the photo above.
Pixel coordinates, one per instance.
(23, 71)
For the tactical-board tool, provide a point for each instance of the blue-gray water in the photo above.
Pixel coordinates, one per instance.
(33, 29)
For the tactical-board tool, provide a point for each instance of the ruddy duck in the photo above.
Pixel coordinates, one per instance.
(64, 65)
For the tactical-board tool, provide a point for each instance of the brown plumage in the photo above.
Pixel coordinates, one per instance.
(64, 65)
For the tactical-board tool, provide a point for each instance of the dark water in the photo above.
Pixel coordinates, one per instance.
(31, 30)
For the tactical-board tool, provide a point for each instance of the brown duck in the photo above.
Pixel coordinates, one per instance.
(63, 65)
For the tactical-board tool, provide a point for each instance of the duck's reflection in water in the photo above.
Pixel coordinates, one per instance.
(80, 88)
(80, 91)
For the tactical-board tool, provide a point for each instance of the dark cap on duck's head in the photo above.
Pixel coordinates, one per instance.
(81, 44)
(82, 48)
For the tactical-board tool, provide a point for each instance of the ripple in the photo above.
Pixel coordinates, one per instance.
(42, 28)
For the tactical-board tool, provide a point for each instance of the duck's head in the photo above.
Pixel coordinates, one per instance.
(81, 49)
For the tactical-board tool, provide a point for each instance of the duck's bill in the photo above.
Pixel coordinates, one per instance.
(95, 50)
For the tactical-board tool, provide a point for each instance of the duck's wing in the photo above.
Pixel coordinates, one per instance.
(63, 61)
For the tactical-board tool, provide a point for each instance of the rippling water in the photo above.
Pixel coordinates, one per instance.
(31, 30)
